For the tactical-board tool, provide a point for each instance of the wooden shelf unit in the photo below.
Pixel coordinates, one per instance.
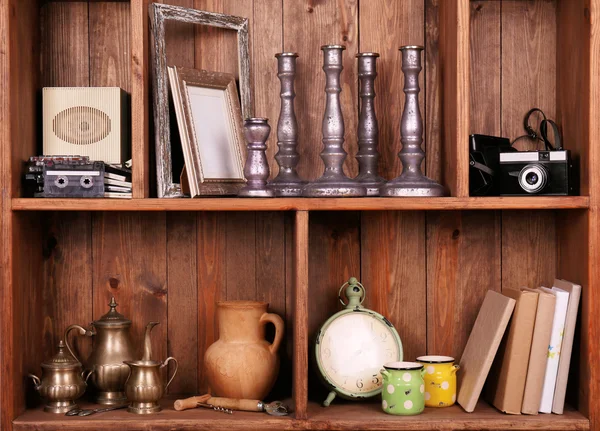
(426, 263)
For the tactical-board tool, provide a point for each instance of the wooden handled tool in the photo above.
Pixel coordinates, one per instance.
(275, 408)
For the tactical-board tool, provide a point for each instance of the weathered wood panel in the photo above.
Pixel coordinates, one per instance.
(463, 263)
(394, 273)
(182, 282)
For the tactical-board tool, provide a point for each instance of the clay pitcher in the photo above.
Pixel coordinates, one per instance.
(241, 363)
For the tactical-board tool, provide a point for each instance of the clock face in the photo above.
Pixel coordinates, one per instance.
(353, 349)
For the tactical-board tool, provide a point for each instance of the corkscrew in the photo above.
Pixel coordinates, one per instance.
(215, 408)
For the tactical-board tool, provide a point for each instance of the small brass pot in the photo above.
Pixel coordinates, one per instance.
(145, 386)
(62, 382)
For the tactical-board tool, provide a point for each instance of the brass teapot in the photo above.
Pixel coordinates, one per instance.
(112, 347)
(62, 382)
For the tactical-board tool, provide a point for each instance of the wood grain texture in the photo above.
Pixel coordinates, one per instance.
(433, 99)
(394, 273)
(589, 381)
(129, 263)
(334, 257)
(182, 307)
(572, 94)
(454, 63)
(484, 75)
(463, 263)
(140, 102)
(407, 18)
(528, 71)
(110, 50)
(65, 51)
(303, 204)
(211, 283)
(307, 25)
(529, 249)
(267, 40)
(67, 285)
(240, 257)
(301, 312)
(339, 416)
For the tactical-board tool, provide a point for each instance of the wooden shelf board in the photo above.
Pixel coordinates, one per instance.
(339, 416)
(302, 204)
(351, 416)
(167, 419)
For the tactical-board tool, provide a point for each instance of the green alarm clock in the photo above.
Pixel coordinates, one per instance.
(352, 346)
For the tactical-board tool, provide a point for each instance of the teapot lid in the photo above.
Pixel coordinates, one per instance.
(62, 360)
(113, 318)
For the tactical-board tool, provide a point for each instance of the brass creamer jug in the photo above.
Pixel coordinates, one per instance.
(112, 346)
(145, 386)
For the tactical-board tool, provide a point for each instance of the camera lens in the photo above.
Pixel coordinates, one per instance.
(533, 178)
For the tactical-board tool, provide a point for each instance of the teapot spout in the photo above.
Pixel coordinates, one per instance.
(147, 341)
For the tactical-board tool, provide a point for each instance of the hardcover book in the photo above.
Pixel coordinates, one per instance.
(538, 357)
(558, 328)
(562, 377)
(482, 346)
(506, 383)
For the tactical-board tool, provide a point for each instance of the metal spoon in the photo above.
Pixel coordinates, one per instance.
(87, 412)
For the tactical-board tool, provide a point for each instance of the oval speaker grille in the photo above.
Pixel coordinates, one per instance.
(81, 125)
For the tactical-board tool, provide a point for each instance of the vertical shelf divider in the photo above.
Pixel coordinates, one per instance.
(454, 61)
(300, 384)
(140, 151)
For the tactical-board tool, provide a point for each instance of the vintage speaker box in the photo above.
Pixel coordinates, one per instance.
(86, 121)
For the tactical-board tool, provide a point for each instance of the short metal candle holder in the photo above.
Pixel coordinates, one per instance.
(368, 128)
(256, 169)
(287, 183)
(333, 182)
(412, 182)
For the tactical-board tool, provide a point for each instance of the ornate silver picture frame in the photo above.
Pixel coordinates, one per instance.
(159, 14)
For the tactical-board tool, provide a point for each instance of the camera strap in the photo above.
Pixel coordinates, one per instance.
(543, 135)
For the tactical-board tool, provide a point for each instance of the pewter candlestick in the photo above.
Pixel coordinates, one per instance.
(256, 169)
(368, 129)
(287, 182)
(333, 182)
(412, 182)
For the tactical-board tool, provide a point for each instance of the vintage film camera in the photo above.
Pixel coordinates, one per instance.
(496, 168)
(64, 176)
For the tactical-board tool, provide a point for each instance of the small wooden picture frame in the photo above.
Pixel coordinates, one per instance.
(210, 124)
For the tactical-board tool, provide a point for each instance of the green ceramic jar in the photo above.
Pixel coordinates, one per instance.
(403, 388)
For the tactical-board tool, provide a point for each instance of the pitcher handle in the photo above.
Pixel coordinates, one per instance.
(82, 331)
(36, 381)
(277, 321)
(164, 364)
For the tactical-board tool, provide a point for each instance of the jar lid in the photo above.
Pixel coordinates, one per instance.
(62, 360)
(113, 318)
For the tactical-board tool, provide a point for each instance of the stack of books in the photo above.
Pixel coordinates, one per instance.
(520, 347)
(117, 182)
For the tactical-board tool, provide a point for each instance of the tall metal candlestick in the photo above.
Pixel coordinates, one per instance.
(287, 182)
(256, 169)
(368, 129)
(333, 182)
(412, 182)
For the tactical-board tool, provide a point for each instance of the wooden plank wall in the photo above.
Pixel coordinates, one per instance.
(423, 271)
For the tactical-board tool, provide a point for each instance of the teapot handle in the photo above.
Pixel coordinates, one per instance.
(277, 321)
(36, 381)
(82, 331)
(164, 364)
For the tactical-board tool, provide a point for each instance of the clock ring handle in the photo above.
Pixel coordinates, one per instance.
(356, 284)
(279, 329)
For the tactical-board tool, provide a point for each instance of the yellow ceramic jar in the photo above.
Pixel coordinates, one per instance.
(440, 380)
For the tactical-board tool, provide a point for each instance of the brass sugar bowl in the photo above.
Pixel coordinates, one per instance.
(112, 347)
(63, 381)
